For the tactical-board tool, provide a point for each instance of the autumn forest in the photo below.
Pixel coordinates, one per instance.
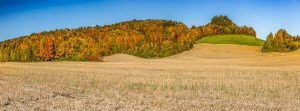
(143, 38)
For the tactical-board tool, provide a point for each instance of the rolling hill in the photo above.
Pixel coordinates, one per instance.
(232, 39)
(143, 38)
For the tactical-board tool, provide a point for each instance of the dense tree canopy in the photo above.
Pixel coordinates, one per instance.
(144, 38)
(222, 21)
(281, 42)
(222, 25)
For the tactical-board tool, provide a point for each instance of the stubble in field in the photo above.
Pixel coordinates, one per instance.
(208, 77)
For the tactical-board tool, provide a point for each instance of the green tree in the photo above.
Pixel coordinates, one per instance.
(268, 43)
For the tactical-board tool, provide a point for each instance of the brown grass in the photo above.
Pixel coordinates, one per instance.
(209, 77)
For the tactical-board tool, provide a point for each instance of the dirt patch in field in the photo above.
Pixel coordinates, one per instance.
(121, 58)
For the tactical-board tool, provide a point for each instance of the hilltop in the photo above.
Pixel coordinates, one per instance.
(232, 39)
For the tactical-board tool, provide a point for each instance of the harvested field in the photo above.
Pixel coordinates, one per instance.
(208, 77)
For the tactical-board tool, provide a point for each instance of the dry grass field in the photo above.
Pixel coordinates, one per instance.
(208, 77)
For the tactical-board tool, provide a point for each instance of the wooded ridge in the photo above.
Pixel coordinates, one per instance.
(143, 38)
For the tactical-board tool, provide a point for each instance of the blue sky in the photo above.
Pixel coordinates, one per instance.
(23, 17)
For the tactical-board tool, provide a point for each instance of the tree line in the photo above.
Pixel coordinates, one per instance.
(143, 38)
(282, 41)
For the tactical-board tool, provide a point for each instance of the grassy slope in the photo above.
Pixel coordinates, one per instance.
(232, 39)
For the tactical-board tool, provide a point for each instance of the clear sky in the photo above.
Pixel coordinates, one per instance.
(23, 17)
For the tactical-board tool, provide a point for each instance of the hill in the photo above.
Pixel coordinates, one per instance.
(232, 39)
(143, 38)
(218, 51)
